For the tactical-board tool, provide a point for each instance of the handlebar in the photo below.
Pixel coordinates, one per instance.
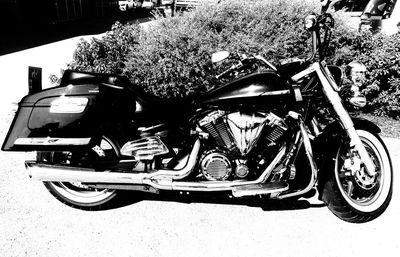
(232, 68)
(323, 21)
(245, 62)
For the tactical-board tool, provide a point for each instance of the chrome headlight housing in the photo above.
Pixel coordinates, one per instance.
(355, 72)
(310, 21)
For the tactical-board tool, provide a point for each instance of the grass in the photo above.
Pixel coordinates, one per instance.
(389, 126)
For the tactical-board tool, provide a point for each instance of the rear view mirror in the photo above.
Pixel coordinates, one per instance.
(219, 56)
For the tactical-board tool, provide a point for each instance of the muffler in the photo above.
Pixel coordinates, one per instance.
(62, 173)
(59, 173)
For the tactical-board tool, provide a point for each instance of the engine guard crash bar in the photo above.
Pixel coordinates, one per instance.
(310, 157)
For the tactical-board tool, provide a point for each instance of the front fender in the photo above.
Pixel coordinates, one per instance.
(359, 123)
(334, 133)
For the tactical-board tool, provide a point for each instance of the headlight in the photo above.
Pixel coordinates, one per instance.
(310, 21)
(355, 71)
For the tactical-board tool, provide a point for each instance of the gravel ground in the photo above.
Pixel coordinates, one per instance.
(33, 223)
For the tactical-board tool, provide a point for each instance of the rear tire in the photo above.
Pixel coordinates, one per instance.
(78, 195)
(354, 196)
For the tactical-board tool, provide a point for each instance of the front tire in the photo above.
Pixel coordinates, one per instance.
(349, 192)
(78, 195)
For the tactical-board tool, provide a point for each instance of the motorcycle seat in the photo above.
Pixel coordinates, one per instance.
(78, 77)
(149, 102)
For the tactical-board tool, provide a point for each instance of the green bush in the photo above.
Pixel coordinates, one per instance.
(381, 55)
(174, 55)
(107, 54)
(171, 57)
(383, 64)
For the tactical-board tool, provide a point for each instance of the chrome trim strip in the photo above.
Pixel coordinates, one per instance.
(260, 189)
(48, 141)
(68, 104)
(144, 129)
(277, 92)
(259, 57)
(247, 94)
(303, 73)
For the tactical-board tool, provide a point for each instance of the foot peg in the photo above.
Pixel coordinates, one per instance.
(260, 189)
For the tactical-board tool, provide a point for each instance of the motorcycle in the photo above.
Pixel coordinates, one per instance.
(280, 133)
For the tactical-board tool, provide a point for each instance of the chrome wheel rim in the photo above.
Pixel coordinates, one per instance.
(77, 192)
(364, 193)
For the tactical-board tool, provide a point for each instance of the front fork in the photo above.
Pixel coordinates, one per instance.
(328, 85)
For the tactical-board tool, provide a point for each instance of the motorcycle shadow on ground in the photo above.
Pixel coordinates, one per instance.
(266, 204)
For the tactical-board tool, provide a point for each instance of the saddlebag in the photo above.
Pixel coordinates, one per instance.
(66, 117)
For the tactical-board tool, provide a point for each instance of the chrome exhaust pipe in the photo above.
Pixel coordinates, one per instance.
(161, 179)
(227, 185)
(60, 173)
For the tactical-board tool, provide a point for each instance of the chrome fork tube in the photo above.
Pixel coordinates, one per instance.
(333, 97)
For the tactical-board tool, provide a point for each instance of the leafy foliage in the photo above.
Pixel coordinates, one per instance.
(381, 56)
(174, 57)
(171, 57)
(107, 54)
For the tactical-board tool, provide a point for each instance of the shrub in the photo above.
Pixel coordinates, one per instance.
(387, 102)
(174, 57)
(107, 54)
(171, 58)
(381, 55)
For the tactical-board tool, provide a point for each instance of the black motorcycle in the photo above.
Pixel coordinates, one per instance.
(280, 133)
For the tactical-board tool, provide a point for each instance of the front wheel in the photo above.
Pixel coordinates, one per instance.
(349, 192)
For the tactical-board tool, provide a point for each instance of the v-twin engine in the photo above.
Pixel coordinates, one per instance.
(241, 131)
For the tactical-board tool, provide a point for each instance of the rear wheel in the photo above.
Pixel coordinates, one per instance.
(78, 195)
(349, 192)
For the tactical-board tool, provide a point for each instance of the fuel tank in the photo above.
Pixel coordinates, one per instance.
(265, 88)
